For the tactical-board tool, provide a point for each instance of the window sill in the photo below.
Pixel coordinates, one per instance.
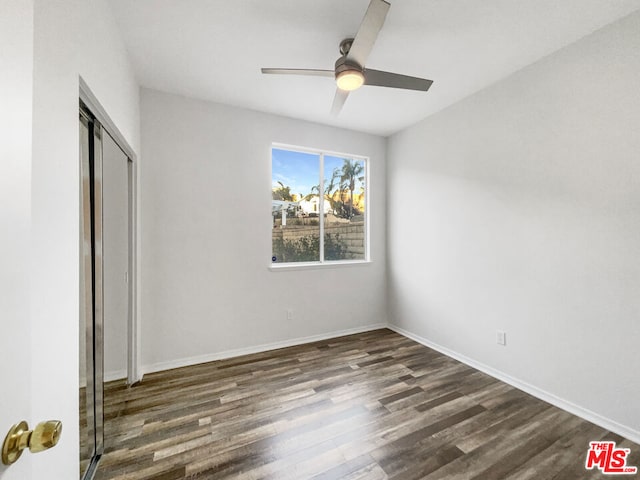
(317, 265)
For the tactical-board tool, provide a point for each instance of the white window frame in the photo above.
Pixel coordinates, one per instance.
(322, 263)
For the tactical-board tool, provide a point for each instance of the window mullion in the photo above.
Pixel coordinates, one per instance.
(321, 207)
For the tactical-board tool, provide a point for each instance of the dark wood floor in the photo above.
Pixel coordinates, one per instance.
(369, 406)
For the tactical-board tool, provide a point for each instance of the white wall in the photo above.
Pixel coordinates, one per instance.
(519, 209)
(16, 87)
(72, 38)
(206, 242)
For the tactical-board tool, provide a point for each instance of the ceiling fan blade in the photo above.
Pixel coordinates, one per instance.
(368, 32)
(379, 78)
(300, 71)
(338, 101)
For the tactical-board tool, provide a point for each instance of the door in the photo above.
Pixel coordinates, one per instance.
(92, 294)
(16, 85)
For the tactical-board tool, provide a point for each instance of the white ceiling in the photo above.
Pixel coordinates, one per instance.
(213, 50)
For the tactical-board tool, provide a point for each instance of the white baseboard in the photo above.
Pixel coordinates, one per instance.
(211, 357)
(601, 421)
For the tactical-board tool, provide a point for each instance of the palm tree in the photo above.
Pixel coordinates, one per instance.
(329, 190)
(352, 170)
(282, 193)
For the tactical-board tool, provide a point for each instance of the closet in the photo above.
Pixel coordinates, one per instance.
(107, 332)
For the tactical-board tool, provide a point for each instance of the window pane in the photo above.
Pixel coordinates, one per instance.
(295, 179)
(344, 227)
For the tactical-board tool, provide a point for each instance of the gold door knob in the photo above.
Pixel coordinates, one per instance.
(43, 437)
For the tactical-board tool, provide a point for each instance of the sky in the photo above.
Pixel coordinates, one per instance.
(300, 171)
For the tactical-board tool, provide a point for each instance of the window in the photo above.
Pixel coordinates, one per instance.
(318, 207)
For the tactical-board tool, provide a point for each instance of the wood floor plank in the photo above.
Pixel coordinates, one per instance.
(370, 406)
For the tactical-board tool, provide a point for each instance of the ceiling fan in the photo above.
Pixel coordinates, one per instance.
(350, 72)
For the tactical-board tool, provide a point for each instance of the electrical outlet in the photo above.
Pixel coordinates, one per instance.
(289, 314)
(501, 338)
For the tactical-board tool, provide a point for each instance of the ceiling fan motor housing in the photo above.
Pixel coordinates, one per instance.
(343, 65)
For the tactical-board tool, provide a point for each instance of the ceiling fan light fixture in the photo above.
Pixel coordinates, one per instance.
(349, 80)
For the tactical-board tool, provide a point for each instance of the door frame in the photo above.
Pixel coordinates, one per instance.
(134, 372)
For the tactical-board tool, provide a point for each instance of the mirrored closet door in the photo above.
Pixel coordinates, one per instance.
(91, 314)
(106, 309)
